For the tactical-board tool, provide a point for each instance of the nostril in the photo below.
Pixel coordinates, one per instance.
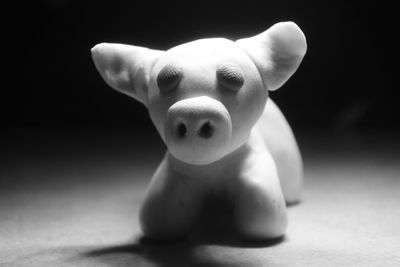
(181, 130)
(206, 130)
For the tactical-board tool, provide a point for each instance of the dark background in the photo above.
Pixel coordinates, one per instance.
(346, 81)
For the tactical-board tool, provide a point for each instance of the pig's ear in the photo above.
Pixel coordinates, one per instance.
(125, 68)
(277, 52)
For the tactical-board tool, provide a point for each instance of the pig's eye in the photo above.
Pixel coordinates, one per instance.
(169, 78)
(230, 76)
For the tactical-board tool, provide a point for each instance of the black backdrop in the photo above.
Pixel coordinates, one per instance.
(346, 81)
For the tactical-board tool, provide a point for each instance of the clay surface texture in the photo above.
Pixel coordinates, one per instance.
(209, 101)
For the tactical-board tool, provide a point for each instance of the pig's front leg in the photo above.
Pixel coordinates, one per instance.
(260, 209)
(170, 206)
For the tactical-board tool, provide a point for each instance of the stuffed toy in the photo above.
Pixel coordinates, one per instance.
(209, 101)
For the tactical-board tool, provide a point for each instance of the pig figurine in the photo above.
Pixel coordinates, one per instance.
(209, 101)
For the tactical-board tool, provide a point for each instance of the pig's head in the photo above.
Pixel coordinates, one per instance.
(205, 96)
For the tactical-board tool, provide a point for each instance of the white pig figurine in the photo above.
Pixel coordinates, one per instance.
(209, 101)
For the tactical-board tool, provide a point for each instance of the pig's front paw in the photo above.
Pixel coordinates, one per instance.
(260, 212)
(168, 215)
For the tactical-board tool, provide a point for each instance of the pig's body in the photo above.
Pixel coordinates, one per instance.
(248, 178)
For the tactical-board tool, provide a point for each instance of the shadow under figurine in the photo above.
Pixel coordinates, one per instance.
(209, 101)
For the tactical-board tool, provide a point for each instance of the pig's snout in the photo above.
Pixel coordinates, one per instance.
(198, 130)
